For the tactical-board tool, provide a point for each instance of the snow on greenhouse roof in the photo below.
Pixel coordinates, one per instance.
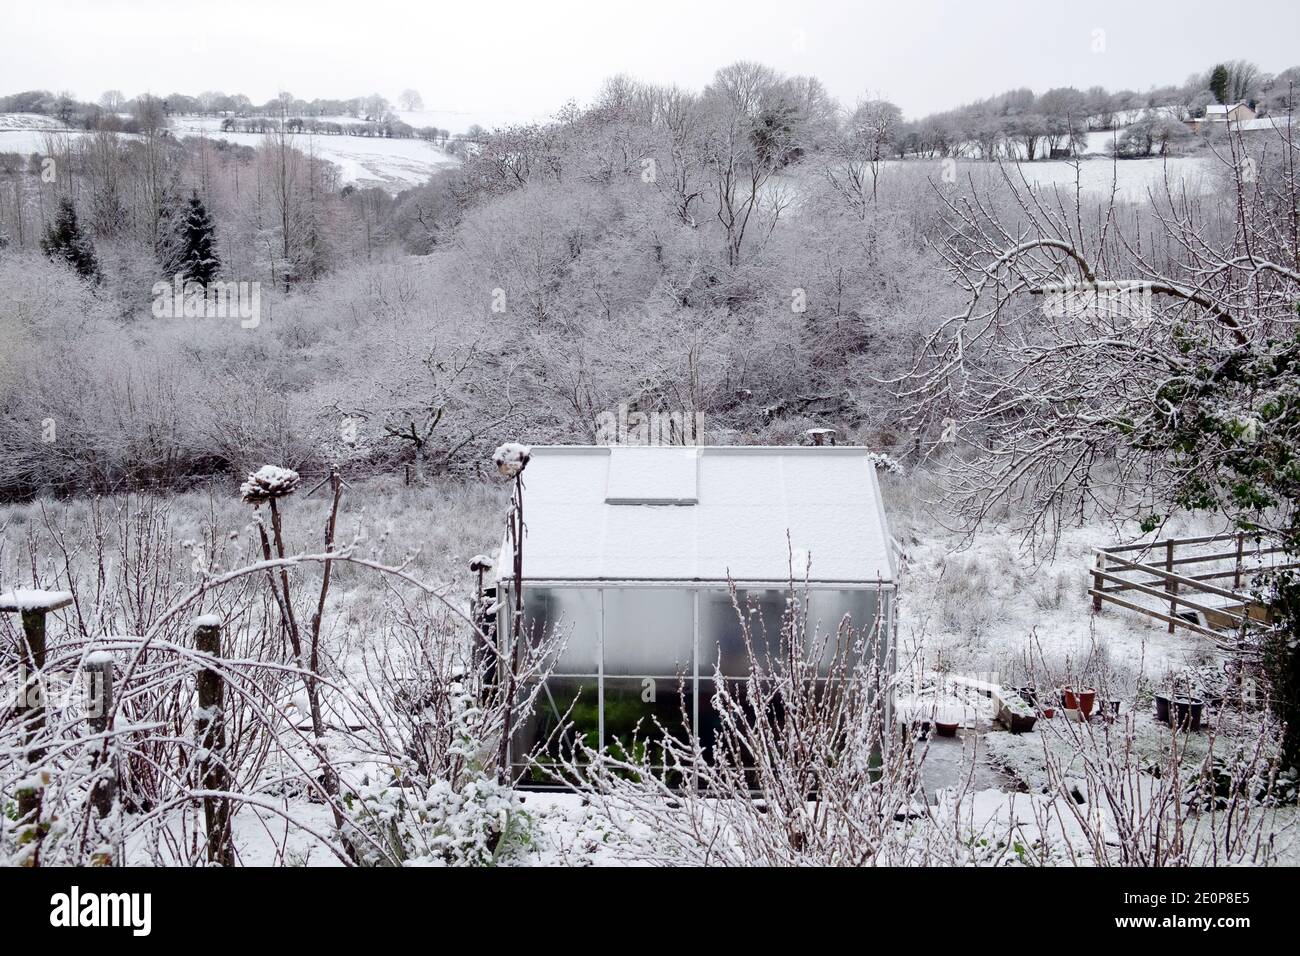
(704, 514)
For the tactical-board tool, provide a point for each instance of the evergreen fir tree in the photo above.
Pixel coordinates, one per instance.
(1219, 83)
(198, 254)
(65, 240)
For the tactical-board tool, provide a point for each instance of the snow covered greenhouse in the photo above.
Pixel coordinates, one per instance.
(629, 552)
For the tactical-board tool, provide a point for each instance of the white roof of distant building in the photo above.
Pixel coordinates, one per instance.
(1279, 123)
(706, 514)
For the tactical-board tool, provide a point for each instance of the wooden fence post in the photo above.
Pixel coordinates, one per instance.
(99, 694)
(1098, 581)
(210, 731)
(33, 605)
(1171, 586)
(1236, 578)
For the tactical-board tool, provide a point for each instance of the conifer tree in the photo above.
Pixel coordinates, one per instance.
(65, 240)
(1219, 83)
(198, 254)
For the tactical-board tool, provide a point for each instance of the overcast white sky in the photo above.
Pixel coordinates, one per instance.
(529, 57)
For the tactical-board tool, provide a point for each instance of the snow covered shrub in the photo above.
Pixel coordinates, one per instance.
(887, 463)
(441, 806)
(478, 823)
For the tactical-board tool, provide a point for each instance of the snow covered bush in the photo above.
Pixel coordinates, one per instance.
(478, 823)
(441, 807)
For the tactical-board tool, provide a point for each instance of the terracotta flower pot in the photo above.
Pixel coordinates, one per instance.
(946, 729)
(1081, 700)
(1049, 713)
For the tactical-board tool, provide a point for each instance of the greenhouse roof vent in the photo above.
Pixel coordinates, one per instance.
(653, 476)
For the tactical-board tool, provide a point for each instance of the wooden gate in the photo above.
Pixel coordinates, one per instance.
(1178, 573)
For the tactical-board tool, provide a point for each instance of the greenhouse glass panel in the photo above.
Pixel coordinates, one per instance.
(540, 736)
(722, 640)
(640, 711)
(574, 613)
(649, 631)
(856, 610)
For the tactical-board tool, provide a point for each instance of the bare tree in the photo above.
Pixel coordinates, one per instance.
(1063, 366)
(867, 140)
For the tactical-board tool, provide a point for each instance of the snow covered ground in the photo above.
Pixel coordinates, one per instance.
(1133, 178)
(396, 164)
(987, 606)
(27, 121)
(391, 164)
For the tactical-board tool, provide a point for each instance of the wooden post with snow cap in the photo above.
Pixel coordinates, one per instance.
(210, 733)
(33, 604)
(98, 668)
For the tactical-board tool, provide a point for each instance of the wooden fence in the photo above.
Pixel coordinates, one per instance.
(1178, 573)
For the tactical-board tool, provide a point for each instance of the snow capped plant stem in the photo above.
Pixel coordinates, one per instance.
(511, 459)
(269, 484)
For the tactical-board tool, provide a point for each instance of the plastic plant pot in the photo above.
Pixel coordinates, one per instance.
(1082, 699)
(946, 729)
(1162, 708)
(1187, 712)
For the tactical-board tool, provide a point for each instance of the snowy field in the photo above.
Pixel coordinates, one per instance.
(391, 164)
(396, 164)
(11, 122)
(1133, 179)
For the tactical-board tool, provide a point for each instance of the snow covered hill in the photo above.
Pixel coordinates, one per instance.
(392, 164)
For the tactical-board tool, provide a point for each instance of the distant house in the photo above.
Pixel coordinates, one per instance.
(1238, 114)
(1229, 113)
